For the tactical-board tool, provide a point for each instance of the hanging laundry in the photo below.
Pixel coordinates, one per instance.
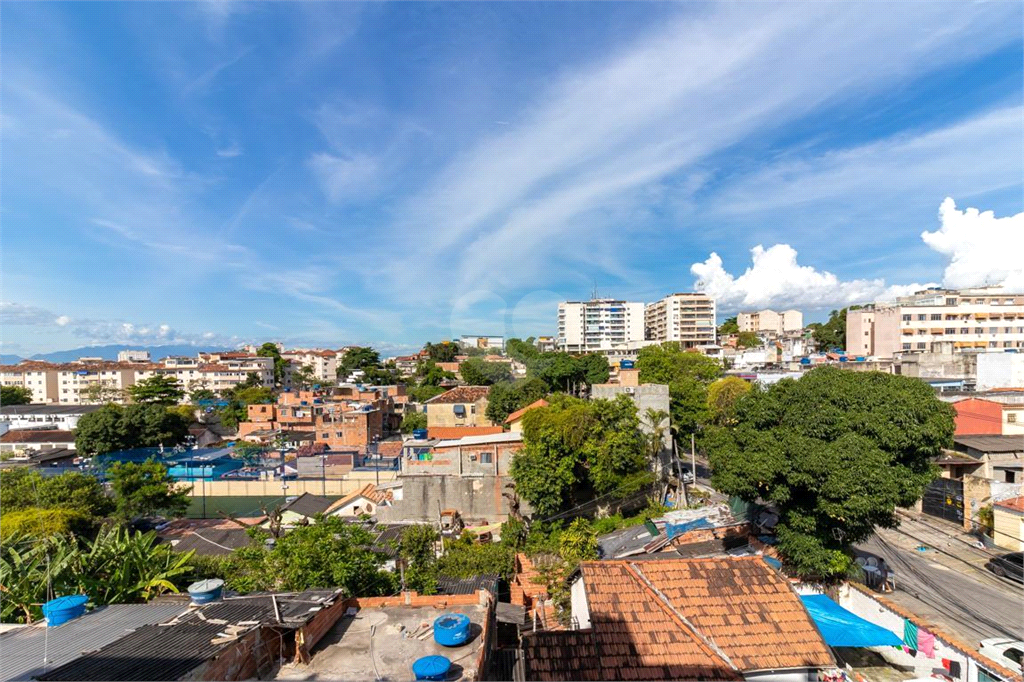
(926, 643)
(909, 634)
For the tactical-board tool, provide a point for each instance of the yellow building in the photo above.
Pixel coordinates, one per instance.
(461, 406)
(1008, 520)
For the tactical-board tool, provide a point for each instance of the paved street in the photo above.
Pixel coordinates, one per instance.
(947, 583)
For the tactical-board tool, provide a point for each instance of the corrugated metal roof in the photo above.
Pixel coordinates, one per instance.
(22, 650)
(170, 651)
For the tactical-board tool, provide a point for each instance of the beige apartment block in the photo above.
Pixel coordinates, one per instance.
(973, 320)
(324, 363)
(38, 377)
(461, 406)
(688, 319)
(860, 332)
(769, 321)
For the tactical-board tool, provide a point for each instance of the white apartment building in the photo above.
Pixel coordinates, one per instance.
(77, 383)
(486, 342)
(37, 377)
(598, 325)
(686, 318)
(49, 417)
(770, 321)
(972, 320)
(133, 356)
(324, 363)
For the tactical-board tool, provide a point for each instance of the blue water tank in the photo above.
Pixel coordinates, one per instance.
(626, 364)
(419, 434)
(206, 591)
(805, 361)
(451, 629)
(843, 358)
(63, 609)
(860, 358)
(431, 668)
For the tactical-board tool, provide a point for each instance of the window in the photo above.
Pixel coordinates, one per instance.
(922, 318)
(906, 346)
(950, 301)
(936, 316)
(1011, 418)
(906, 318)
(921, 346)
(1010, 476)
(965, 330)
(486, 458)
(867, 333)
(950, 330)
(1014, 655)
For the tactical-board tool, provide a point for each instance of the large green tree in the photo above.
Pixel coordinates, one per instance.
(418, 548)
(723, 396)
(836, 452)
(507, 397)
(15, 395)
(688, 375)
(729, 326)
(146, 489)
(158, 389)
(357, 357)
(239, 399)
(574, 448)
(479, 372)
(122, 427)
(520, 350)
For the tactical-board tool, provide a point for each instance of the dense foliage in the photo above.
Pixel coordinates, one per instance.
(446, 351)
(15, 395)
(748, 340)
(688, 374)
(357, 357)
(270, 350)
(507, 397)
(414, 420)
(146, 489)
(158, 389)
(24, 489)
(330, 553)
(467, 558)
(723, 395)
(836, 453)
(117, 566)
(122, 427)
(729, 326)
(479, 372)
(418, 548)
(574, 448)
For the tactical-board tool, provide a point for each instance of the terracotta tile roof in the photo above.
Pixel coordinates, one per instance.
(389, 448)
(456, 432)
(461, 394)
(1016, 504)
(634, 634)
(369, 491)
(38, 436)
(746, 608)
(520, 412)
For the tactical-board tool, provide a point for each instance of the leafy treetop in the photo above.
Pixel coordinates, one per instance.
(123, 427)
(146, 489)
(832, 334)
(15, 395)
(479, 372)
(836, 452)
(159, 389)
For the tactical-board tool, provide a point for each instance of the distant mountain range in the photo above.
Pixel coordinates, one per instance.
(109, 353)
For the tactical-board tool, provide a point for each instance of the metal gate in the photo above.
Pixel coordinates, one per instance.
(944, 498)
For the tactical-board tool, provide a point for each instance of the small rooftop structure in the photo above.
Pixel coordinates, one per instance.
(507, 437)
(308, 505)
(381, 637)
(457, 432)
(984, 444)
(460, 394)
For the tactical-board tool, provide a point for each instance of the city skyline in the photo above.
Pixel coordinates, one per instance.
(337, 173)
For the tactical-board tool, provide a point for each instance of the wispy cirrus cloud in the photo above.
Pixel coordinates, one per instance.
(539, 196)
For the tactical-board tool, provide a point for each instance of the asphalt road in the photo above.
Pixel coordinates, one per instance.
(962, 599)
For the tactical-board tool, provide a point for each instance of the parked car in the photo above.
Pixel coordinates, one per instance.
(687, 476)
(1006, 652)
(1008, 566)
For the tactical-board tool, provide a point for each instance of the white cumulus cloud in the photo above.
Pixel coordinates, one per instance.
(982, 249)
(776, 279)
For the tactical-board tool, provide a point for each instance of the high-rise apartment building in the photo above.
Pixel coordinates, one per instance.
(598, 325)
(988, 318)
(686, 318)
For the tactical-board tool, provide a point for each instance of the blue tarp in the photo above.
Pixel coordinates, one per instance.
(839, 627)
(674, 529)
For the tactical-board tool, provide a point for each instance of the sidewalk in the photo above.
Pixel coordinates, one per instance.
(949, 546)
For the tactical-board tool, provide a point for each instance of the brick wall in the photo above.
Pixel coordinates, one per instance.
(241, 661)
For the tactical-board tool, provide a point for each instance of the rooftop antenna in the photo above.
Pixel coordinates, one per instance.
(593, 293)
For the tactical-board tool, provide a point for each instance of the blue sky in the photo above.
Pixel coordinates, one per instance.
(334, 173)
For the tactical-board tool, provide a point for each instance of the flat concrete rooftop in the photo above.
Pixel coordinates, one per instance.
(382, 643)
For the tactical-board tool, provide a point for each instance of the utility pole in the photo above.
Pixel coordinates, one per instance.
(679, 475)
(693, 458)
